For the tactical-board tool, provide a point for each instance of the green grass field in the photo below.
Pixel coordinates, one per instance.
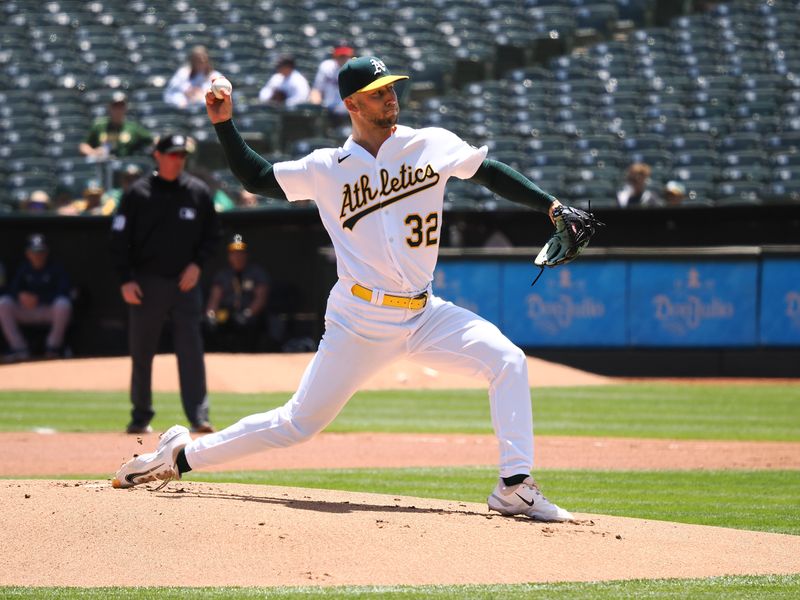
(730, 588)
(755, 500)
(729, 412)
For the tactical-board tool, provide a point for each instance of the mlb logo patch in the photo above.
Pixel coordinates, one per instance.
(118, 224)
(187, 213)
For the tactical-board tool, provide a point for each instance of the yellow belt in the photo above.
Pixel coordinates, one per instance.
(415, 303)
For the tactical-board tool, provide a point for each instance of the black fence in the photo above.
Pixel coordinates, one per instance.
(290, 244)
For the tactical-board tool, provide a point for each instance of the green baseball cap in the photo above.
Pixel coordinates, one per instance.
(363, 74)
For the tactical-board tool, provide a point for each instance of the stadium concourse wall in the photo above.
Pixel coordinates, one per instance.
(704, 292)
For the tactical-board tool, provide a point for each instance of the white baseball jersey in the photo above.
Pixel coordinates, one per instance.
(383, 213)
(384, 216)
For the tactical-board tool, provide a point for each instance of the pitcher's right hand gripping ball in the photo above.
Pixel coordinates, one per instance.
(574, 230)
(221, 87)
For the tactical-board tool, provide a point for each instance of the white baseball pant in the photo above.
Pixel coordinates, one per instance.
(359, 339)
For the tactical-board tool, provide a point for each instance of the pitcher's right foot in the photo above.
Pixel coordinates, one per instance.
(525, 499)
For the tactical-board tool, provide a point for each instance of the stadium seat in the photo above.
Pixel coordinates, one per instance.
(460, 195)
(301, 147)
(550, 178)
(602, 17)
(742, 141)
(786, 159)
(695, 158)
(599, 158)
(642, 141)
(29, 165)
(595, 142)
(714, 126)
(545, 158)
(729, 193)
(665, 126)
(690, 142)
(785, 174)
(653, 158)
(545, 143)
(783, 191)
(21, 150)
(596, 191)
(502, 144)
(743, 159)
(763, 125)
(687, 174)
(751, 110)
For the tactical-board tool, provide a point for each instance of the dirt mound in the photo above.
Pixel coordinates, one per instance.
(252, 373)
(87, 534)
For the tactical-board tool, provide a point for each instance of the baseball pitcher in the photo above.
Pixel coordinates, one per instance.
(380, 198)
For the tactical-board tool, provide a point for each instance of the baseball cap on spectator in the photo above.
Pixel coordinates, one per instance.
(39, 198)
(343, 48)
(675, 188)
(36, 243)
(118, 98)
(175, 142)
(363, 74)
(92, 188)
(237, 243)
(130, 172)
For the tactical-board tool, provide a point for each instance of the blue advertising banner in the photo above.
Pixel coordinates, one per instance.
(780, 302)
(693, 303)
(579, 304)
(471, 285)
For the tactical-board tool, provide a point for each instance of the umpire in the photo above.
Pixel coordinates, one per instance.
(163, 231)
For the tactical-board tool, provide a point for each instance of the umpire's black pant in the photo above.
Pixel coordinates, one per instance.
(161, 298)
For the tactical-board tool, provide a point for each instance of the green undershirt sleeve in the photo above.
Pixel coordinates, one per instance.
(506, 182)
(251, 169)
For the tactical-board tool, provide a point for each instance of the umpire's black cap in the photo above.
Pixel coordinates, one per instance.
(363, 74)
(175, 142)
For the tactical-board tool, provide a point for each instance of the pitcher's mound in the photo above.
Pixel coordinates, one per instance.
(194, 534)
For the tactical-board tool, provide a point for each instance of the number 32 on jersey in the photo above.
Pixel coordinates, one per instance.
(423, 230)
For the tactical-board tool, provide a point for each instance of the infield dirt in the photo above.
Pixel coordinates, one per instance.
(195, 534)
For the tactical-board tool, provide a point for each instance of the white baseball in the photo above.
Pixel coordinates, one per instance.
(221, 87)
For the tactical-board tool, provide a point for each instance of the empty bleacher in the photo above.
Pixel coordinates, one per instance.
(569, 92)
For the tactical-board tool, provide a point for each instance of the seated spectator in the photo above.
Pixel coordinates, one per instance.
(37, 202)
(287, 87)
(235, 312)
(115, 135)
(38, 294)
(189, 84)
(636, 192)
(674, 193)
(325, 90)
(62, 196)
(93, 202)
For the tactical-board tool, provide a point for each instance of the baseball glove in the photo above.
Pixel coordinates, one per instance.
(574, 229)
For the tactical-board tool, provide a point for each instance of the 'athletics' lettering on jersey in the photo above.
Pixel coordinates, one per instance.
(361, 198)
